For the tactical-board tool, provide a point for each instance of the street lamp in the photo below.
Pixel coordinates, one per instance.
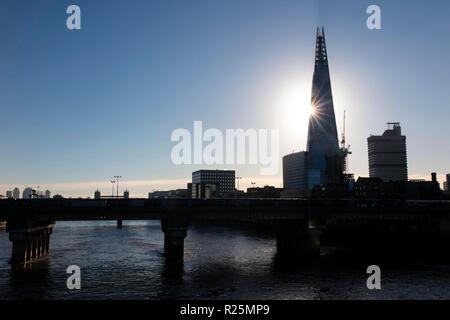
(112, 192)
(238, 178)
(117, 179)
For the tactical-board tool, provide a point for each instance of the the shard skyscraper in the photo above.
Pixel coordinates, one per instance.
(324, 156)
(323, 161)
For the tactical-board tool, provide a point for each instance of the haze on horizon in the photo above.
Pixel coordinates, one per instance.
(79, 107)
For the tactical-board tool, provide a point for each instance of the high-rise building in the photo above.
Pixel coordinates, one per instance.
(294, 171)
(324, 156)
(324, 161)
(27, 193)
(209, 183)
(16, 193)
(97, 195)
(126, 194)
(387, 155)
(9, 194)
(447, 182)
(47, 194)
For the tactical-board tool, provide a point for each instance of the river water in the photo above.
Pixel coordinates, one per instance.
(220, 263)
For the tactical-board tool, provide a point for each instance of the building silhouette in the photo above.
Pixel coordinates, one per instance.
(213, 183)
(27, 193)
(447, 182)
(324, 156)
(323, 161)
(170, 194)
(376, 188)
(387, 155)
(295, 171)
(16, 193)
(267, 192)
(47, 194)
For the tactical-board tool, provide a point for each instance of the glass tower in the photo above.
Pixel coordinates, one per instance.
(323, 146)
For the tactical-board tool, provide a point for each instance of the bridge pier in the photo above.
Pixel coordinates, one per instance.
(295, 240)
(174, 243)
(119, 223)
(314, 241)
(30, 243)
(174, 224)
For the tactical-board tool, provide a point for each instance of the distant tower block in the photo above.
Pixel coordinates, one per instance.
(27, 193)
(387, 155)
(16, 193)
(294, 171)
(97, 195)
(447, 183)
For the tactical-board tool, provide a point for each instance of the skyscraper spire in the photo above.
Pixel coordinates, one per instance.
(322, 131)
(321, 49)
(323, 162)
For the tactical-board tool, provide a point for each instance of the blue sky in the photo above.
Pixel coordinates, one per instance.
(77, 107)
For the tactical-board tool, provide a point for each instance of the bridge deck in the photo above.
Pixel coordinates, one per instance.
(217, 209)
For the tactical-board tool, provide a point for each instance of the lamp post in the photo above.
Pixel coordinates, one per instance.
(238, 178)
(119, 221)
(112, 192)
(117, 180)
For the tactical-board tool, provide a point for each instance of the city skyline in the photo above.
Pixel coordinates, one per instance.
(210, 151)
(120, 107)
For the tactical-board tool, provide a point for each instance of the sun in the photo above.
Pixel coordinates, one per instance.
(295, 107)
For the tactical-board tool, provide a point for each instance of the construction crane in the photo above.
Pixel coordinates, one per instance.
(344, 148)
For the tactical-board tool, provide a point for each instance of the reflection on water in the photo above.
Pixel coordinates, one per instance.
(220, 263)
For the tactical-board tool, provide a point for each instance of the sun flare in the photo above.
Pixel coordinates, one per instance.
(295, 107)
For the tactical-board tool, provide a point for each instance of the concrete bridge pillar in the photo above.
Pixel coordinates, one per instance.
(29, 250)
(20, 252)
(174, 224)
(174, 243)
(29, 242)
(314, 241)
(297, 239)
(39, 245)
